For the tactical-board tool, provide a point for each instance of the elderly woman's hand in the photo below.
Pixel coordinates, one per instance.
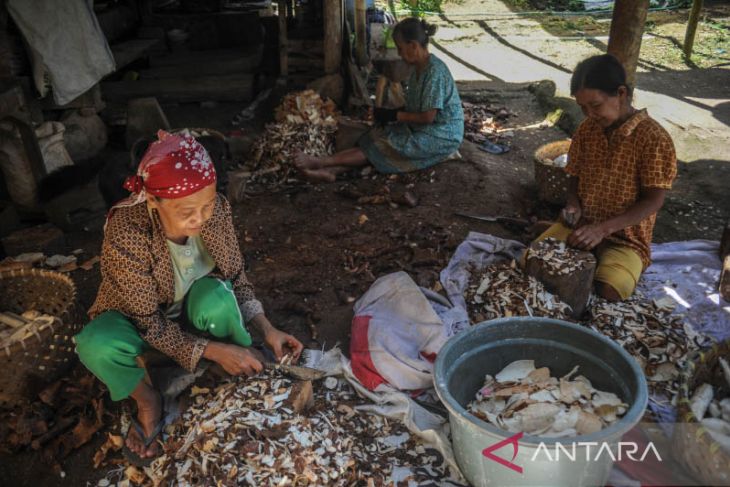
(283, 343)
(234, 359)
(278, 342)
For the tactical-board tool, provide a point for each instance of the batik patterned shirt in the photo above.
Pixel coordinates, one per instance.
(138, 280)
(612, 170)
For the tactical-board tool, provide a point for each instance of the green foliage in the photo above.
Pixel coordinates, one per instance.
(418, 8)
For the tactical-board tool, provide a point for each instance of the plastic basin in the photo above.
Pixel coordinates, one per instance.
(487, 348)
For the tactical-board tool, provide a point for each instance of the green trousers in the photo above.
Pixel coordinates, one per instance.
(109, 345)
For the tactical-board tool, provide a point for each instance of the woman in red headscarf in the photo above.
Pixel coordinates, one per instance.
(172, 280)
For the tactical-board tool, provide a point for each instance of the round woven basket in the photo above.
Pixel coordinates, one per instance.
(552, 182)
(691, 443)
(45, 356)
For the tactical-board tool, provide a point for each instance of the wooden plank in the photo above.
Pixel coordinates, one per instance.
(689, 36)
(247, 62)
(201, 57)
(127, 52)
(234, 87)
(627, 28)
(332, 36)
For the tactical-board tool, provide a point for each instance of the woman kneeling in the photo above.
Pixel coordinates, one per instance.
(172, 280)
(622, 162)
(428, 130)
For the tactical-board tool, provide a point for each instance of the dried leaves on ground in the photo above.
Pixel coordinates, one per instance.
(68, 414)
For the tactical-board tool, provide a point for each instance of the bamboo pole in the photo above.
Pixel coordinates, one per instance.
(283, 40)
(360, 32)
(689, 36)
(332, 36)
(627, 28)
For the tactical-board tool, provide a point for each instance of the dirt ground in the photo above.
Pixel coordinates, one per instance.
(312, 250)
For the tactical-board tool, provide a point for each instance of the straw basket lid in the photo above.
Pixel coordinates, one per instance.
(692, 444)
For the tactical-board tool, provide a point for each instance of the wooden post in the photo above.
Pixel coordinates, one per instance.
(361, 32)
(283, 43)
(689, 36)
(627, 27)
(332, 36)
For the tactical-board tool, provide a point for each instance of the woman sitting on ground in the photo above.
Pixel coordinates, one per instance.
(172, 280)
(428, 130)
(622, 163)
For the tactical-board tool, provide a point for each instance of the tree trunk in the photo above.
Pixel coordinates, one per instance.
(689, 36)
(627, 27)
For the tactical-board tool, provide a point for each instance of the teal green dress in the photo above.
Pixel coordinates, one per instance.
(402, 147)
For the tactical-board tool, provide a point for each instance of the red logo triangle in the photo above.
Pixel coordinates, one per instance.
(487, 452)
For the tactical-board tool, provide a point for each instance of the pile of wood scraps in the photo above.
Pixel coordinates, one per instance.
(503, 290)
(304, 123)
(259, 431)
(558, 258)
(522, 398)
(656, 338)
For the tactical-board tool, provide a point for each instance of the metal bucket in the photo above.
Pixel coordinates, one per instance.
(486, 349)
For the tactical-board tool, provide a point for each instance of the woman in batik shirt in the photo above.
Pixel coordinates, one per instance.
(172, 280)
(622, 163)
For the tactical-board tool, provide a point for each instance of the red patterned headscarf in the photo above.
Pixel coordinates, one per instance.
(174, 166)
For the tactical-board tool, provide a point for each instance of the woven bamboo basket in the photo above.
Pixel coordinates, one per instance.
(43, 357)
(692, 445)
(552, 182)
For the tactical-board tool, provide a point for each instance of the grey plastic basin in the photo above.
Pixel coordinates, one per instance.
(487, 348)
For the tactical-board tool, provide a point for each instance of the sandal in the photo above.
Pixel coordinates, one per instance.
(133, 457)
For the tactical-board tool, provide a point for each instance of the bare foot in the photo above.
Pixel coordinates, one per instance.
(319, 175)
(304, 162)
(149, 414)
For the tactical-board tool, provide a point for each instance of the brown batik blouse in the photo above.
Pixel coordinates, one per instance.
(137, 276)
(612, 171)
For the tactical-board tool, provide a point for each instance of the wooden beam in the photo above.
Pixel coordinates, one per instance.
(210, 63)
(283, 47)
(627, 28)
(332, 36)
(361, 33)
(689, 36)
(236, 87)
